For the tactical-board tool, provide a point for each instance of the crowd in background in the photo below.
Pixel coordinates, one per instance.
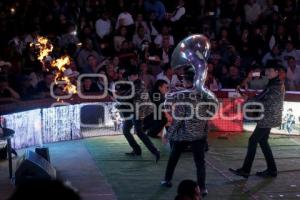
(110, 37)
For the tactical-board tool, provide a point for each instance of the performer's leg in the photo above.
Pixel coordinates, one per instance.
(176, 150)
(252, 145)
(129, 137)
(266, 149)
(198, 148)
(145, 139)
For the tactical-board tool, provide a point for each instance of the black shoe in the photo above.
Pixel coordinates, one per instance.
(266, 174)
(133, 153)
(157, 156)
(167, 184)
(204, 192)
(239, 172)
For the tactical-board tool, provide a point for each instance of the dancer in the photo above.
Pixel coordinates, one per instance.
(135, 117)
(272, 100)
(191, 129)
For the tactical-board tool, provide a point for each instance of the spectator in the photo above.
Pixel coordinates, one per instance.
(85, 52)
(255, 80)
(120, 37)
(252, 11)
(139, 37)
(293, 74)
(274, 54)
(188, 190)
(289, 51)
(6, 92)
(88, 86)
(103, 25)
(165, 33)
(156, 7)
(93, 65)
(124, 19)
(145, 76)
(168, 75)
(139, 21)
(234, 79)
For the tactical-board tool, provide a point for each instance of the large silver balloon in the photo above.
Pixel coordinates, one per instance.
(194, 51)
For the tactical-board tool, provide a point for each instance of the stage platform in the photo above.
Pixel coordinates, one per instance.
(98, 168)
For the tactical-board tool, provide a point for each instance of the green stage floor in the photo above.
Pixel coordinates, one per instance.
(139, 178)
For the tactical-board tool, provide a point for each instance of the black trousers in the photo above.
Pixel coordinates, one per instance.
(198, 147)
(139, 131)
(259, 136)
(154, 126)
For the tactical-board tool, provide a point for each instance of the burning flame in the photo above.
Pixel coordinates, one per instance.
(45, 48)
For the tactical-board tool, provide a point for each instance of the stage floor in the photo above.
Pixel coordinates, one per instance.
(100, 170)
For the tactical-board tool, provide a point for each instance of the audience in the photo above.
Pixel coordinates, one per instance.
(110, 36)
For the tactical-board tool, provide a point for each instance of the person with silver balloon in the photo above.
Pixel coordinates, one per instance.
(191, 108)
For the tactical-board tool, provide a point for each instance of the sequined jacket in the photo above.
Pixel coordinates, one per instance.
(272, 98)
(191, 112)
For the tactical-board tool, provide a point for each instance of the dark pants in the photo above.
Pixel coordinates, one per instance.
(139, 131)
(198, 153)
(259, 136)
(154, 126)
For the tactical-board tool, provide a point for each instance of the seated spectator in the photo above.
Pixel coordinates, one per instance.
(211, 82)
(274, 54)
(7, 94)
(93, 65)
(255, 80)
(145, 76)
(126, 54)
(168, 75)
(49, 189)
(252, 11)
(289, 51)
(165, 33)
(124, 19)
(156, 7)
(139, 21)
(70, 36)
(103, 25)
(26, 90)
(88, 86)
(139, 37)
(293, 74)
(234, 79)
(44, 86)
(165, 51)
(188, 190)
(85, 51)
(153, 25)
(120, 37)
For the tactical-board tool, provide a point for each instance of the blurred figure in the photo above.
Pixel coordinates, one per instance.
(288, 121)
(145, 76)
(293, 74)
(44, 189)
(156, 121)
(7, 93)
(255, 80)
(188, 190)
(168, 75)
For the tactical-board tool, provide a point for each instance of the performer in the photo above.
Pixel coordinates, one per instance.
(135, 117)
(272, 99)
(154, 124)
(188, 130)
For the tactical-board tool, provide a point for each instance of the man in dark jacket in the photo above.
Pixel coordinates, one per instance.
(142, 107)
(189, 128)
(272, 100)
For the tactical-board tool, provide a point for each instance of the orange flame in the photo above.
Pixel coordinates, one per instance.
(45, 48)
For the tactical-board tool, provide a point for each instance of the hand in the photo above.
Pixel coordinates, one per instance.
(245, 97)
